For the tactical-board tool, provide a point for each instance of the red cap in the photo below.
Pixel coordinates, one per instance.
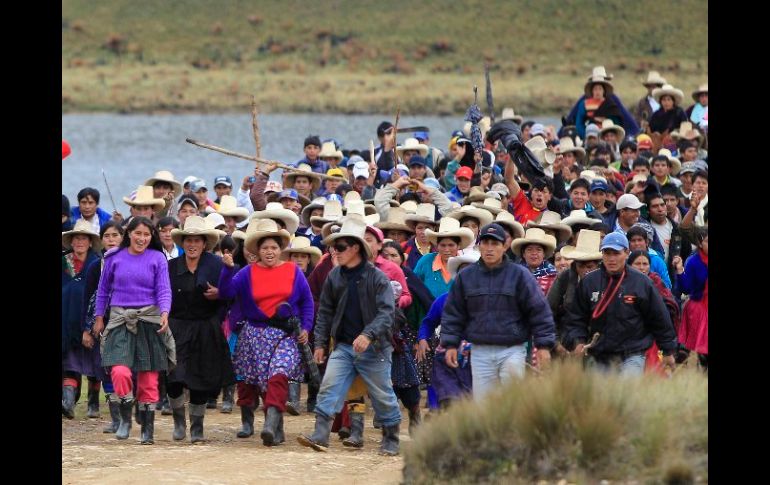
(65, 149)
(464, 172)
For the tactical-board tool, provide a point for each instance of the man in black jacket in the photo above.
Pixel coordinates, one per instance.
(624, 308)
(356, 311)
(496, 305)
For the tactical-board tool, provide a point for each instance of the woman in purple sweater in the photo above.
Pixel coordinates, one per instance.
(135, 284)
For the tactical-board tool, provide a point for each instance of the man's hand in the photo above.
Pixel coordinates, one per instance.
(421, 187)
(677, 262)
(451, 358)
(227, 259)
(318, 356)
(211, 293)
(507, 131)
(246, 184)
(399, 182)
(117, 216)
(560, 350)
(579, 350)
(695, 201)
(543, 359)
(669, 362)
(422, 349)
(87, 340)
(361, 343)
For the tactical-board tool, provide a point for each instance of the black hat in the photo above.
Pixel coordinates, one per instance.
(313, 140)
(383, 127)
(493, 230)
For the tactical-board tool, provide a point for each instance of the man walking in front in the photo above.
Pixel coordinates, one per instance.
(497, 306)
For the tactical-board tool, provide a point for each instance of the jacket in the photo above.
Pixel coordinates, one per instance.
(634, 317)
(560, 295)
(377, 307)
(496, 306)
(104, 216)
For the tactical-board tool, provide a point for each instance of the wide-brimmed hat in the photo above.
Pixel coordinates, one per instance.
(579, 216)
(484, 125)
(450, 227)
(353, 227)
(686, 131)
(238, 234)
(535, 235)
(552, 220)
(391, 202)
(85, 228)
(676, 164)
(412, 144)
(301, 245)
(213, 221)
(599, 75)
(477, 194)
(396, 221)
(363, 210)
(288, 194)
(332, 213)
(409, 206)
(329, 150)
(144, 196)
(506, 219)
(228, 207)
(654, 79)
(454, 263)
(587, 247)
(274, 210)
(508, 114)
(495, 206)
(484, 216)
(566, 145)
(426, 213)
(669, 90)
(263, 228)
(703, 88)
(544, 155)
(304, 171)
(609, 125)
(165, 176)
(196, 226)
(317, 203)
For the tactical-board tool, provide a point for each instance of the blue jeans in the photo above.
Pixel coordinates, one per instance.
(373, 367)
(633, 365)
(492, 365)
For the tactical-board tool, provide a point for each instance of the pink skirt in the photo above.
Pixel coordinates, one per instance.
(694, 329)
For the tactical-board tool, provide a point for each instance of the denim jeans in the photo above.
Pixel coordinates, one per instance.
(373, 366)
(492, 365)
(633, 365)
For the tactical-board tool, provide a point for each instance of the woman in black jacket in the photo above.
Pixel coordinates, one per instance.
(670, 115)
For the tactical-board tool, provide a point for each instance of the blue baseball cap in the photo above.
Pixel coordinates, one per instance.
(223, 179)
(421, 135)
(416, 160)
(614, 240)
(494, 231)
(336, 197)
(431, 182)
(288, 194)
(599, 185)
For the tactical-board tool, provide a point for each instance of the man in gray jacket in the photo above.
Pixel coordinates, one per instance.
(356, 312)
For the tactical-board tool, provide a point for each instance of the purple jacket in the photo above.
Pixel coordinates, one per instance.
(239, 287)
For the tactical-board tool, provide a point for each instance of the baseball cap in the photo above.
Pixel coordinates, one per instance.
(421, 135)
(361, 169)
(417, 160)
(198, 184)
(223, 179)
(501, 189)
(464, 172)
(189, 179)
(273, 186)
(592, 130)
(493, 231)
(643, 142)
(336, 197)
(335, 172)
(376, 232)
(186, 199)
(599, 185)
(628, 201)
(537, 129)
(433, 183)
(615, 240)
(288, 194)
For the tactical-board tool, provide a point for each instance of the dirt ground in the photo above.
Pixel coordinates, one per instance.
(90, 456)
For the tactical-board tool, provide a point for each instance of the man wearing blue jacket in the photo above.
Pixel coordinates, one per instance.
(498, 306)
(88, 209)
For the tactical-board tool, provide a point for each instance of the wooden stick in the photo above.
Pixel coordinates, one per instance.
(371, 151)
(255, 126)
(395, 131)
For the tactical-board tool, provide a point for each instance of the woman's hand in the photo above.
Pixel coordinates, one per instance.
(302, 337)
(98, 326)
(422, 349)
(677, 262)
(88, 340)
(227, 259)
(163, 322)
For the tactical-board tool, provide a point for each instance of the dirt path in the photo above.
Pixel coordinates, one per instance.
(89, 456)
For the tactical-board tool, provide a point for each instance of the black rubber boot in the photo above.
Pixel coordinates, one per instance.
(180, 423)
(161, 392)
(312, 395)
(124, 428)
(148, 423)
(211, 403)
(415, 419)
(270, 428)
(197, 411)
(165, 406)
(137, 414)
(319, 440)
(292, 405)
(280, 437)
(114, 406)
(93, 400)
(68, 401)
(356, 439)
(390, 440)
(247, 419)
(228, 395)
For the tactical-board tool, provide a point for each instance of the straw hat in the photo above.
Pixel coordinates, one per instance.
(552, 220)
(84, 227)
(391, 202)
(354, 227)
(484, 216)
(608, 125)
(566, 145)
(412, 144)
(455, 262)
(332, 212)
(213, 221)
(703, 88)
(654, 79)
(506, 219)
(578, 216)
(307, 171)
(290, 194)
(265, 228)
(599, 76)
(450, 227)
(535, 236)
(409, 206)
(301, 245)
(351, 195)
(544, 155)
(484, 124)
(676, 165)
(587, 248)
(165, 176)
(196, 226)
(144, 197)
(328, 150)
(687, 132)
(367, 211)
(239, 235)
(494, 206)
(353, 198)
(317, 203)
(477, 194)
(396, 221)
(274, 210)
(508, 114)
(669, 90)
(425, 213)
(228, 207)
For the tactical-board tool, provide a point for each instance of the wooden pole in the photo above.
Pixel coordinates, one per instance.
(255, 126)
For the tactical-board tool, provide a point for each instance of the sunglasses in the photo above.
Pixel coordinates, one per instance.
(341, 247)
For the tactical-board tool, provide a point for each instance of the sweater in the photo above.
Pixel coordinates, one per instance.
(134, 281)
(432, 279)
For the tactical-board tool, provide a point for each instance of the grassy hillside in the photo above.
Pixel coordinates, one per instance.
(364, 55)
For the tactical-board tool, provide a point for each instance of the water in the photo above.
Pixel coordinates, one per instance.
(131, 148)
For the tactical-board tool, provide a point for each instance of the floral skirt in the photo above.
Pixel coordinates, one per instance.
(264, 352)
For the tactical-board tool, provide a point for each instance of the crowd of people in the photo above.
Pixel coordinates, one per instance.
(379, 274)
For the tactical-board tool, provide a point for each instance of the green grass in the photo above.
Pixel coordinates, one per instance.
(364, 56)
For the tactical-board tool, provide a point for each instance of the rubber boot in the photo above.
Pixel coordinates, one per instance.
(161, 392)
(389, 445)
(197, 411)
(93, 399)
(270, 428)
(211, 403)
(280, 437)
(247, 420)
(180, 423)
(319, 440)
(137, 415)
(114, 406)
(125, 407)
(415, 419)
(148, 423)
(356, 439)
(292, 405)
(68, 401)
(165, 406)
(312, 395)
(228, 397)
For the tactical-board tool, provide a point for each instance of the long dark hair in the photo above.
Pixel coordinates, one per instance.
(636, 255)
(398, 248)
(136, 222)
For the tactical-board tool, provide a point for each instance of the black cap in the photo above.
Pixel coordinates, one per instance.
(416, 160)
(493, 230)
(313, 140)
(383, 127)
(188, 199)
